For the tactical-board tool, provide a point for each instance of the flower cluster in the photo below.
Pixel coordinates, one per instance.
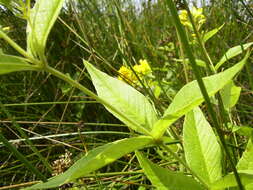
(142, 69)
(198, 17)
(61, 164)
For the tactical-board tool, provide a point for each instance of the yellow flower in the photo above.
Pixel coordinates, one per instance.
(137, 69)
(183, 16)
(126, 74)
(143, 68)
(197, 14)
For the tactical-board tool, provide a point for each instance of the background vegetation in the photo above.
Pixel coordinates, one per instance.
(64, 123)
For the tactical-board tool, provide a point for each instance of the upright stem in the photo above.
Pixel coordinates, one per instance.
(211, 69)
(209, 63)
(184, 62)
(202, 87)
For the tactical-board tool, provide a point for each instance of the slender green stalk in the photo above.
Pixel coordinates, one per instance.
(49, 103)
(65, 123)
(184, 62)
(211, 70)
(196, 72)
(209, 64)
(22, 158)
(249, 73)
(93, 95)
(74, 134)
(18, 48)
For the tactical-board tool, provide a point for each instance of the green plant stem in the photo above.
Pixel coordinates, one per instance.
(209, 63)
(22, 158)
(18, 48)
(196, 72)
(184, 62)
(211, 70)
(93, 95)
(184, 164)
(51, 103)
(49, 137)
(210, 66)
(249, 73)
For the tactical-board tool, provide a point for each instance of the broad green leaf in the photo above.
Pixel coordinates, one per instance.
(164, 179)
(10, 64)
(232, 52)
(230, 95)
(243, 130)
(211, 33)
(246, 161)
(249, 186)
(230, 181)
(202, 150)
(190, 96)
(130, 102)
(96, 159)
(41, 19)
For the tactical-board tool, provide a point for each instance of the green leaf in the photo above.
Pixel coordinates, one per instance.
(128, 100)
(199, 62)
(10, 64)
(230, 95)
(232, 52)
(190, 96)
(211, 33)
(243, 130)
(96, 158)
(42, 18)
(249, 186)
(202, 150)
(246, 161)
(230, 181)
(164, 179)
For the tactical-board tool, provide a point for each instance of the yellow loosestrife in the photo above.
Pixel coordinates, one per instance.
(126, 74)
(142, 69)
(197, 14)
